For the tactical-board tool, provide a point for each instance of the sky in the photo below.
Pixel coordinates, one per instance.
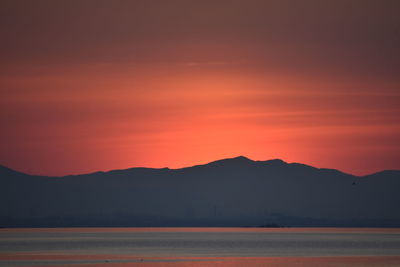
(99, 85)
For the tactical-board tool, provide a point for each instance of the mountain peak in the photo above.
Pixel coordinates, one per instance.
(240, 158)
(235, 160)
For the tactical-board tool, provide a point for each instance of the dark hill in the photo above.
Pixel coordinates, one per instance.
(228, 192)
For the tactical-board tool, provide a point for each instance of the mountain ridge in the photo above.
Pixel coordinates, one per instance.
(229, 192)
(232, 160)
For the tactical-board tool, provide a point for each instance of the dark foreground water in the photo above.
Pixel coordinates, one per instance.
(200, 247)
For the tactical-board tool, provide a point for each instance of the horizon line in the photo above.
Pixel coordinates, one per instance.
(196, 165)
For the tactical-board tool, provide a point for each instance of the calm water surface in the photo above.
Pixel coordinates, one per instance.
(200, 247)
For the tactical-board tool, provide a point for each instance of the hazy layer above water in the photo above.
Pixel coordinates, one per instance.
(174, 242)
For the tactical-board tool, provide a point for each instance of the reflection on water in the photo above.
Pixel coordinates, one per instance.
(200, 247)
(115, 260)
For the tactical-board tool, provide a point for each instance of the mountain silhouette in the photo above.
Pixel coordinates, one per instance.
(228, 192)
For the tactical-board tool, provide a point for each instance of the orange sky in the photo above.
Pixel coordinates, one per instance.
(106, 85)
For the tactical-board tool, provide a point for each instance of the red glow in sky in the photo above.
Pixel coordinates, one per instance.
(97, 85)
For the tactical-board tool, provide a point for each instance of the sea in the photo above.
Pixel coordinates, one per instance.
(199, 247)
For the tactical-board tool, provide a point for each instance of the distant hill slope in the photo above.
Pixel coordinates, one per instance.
(228, 192)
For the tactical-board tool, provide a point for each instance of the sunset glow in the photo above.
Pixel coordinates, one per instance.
(142, 84)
